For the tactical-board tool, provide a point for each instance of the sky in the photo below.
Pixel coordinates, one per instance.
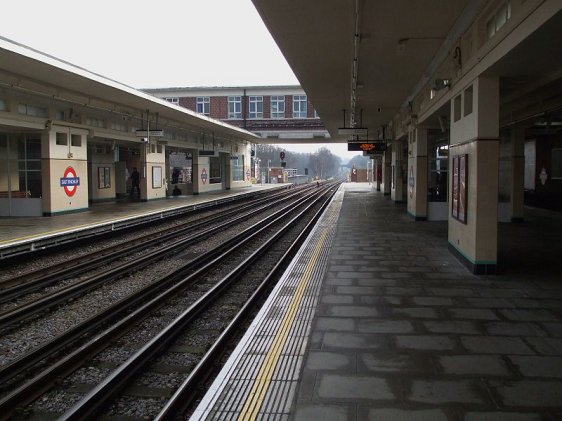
(148, 44)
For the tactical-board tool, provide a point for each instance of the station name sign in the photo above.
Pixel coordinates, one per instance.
(369, 147)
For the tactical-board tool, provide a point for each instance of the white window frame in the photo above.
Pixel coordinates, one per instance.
(256, 107)
(173, 100)
(203, 105)
(499, 19)
(235, 107)
(299, 106)
(277, 106)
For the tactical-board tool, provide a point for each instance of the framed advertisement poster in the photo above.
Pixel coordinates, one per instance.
(462, 187)
(455, 188)
(104, 178)
(156, 177)
(459, 188)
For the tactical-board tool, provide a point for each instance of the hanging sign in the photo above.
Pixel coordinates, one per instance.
(369, 147)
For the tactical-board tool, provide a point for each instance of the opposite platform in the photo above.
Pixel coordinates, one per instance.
(28, 231)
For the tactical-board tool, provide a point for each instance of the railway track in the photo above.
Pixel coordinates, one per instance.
(159, 245)
(45, 248)
(130, 311)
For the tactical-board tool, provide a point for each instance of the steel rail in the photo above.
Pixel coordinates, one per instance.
(183, 397)
(38, 384)
(90, 405)
(118, 228)
(41, 278)
(35, 307)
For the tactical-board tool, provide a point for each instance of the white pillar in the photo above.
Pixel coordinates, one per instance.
(397, 192)
(473, 195)
(195, 177)
(417, 174)
(387, 170)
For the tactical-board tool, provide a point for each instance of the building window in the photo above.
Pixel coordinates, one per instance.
(3, 105)
(316, 114)
(237, 163)
(256, 106)
(61, 139)
(299, 106)
(203, 105)
(32, 110)
(75, 140)
(468, 100)
(29, 157)
(234, 107)
(118, 126)
(457, 108)
(499, 19)
(214, 170)
(95, 122)
(173, 100)
(278, 106)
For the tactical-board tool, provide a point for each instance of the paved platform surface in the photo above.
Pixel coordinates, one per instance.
(13, 229)
(404, 332)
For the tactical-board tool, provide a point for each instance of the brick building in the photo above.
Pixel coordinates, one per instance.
(272, 112)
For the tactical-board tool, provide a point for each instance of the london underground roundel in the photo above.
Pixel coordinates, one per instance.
(70, 181)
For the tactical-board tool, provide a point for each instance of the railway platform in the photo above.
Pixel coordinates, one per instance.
(377, 320)
(35, 232)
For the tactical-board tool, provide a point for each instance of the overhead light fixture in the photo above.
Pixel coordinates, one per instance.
(441, 84)
(353, 131)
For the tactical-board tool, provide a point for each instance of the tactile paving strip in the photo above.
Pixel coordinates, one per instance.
(260, 378)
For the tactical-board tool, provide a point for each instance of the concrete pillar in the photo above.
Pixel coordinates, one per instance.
(417, 174)
(143, 170)
(473, 175)
(64, 170)
(397, 192)
(517, 184)
(195, 177)
(378, 172)
(227, 176)
(387, 170)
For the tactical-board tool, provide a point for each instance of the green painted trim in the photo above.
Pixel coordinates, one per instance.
(417, 217)
(470, 259)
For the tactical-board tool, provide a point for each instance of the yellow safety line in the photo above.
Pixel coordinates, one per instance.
(263, 380)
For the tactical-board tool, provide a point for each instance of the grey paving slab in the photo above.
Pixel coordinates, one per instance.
(446, 392)
(530, 393)
(425, 342)
(538, 366)
(323, 412)
(442, 343)
(501, 416)
(495, 345)
(393, 414)
(476, 365)
(335, 386)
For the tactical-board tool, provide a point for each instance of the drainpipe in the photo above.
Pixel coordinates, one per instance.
(244, 106)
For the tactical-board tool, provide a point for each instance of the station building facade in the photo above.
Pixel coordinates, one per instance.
(271, 112)
(276, 114)
(69, 138)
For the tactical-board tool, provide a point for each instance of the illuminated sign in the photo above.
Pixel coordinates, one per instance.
(369, 147)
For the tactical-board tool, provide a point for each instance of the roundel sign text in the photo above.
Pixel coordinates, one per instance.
(70, 181)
